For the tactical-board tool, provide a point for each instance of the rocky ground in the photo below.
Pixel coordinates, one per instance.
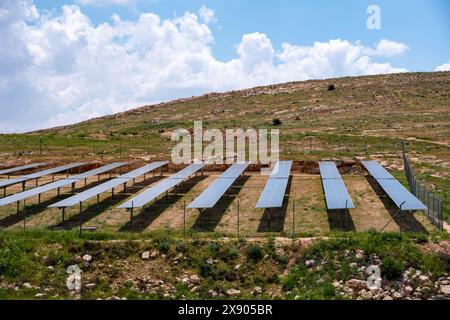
(361, 266)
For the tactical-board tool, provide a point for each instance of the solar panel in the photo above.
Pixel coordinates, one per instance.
(188, 171)
(273, 194)
(150, 194)
(275, 189)
(107, 185)
(142, 170)
(9, 182)
(24, 167)
(98, 171)
(281, 170)
(376, 170)
(336, 195)
(402, 198)
(328, 170)
(212, 194)
(234, 171)
(399, 194)
(57, 184)
(155, 191)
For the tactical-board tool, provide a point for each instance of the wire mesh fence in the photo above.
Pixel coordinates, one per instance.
(422, 192)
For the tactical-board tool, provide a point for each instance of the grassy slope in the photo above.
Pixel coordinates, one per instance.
(41, 258)
(361, 112)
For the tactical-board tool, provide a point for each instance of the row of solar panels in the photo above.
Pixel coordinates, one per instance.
(336, 194)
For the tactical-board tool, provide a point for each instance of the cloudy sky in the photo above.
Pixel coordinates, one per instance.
(64, 61)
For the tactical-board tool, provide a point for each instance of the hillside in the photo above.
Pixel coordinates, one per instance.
(362, 117)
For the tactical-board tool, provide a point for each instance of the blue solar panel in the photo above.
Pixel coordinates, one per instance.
(399, 194)
(25, 167)
(97, 171)
(394, 189)
(54, 185)
(336, 195)
(275, 189)
(328, 170)
(108, 185)
(188, 171)
(281, 170)
(273, 194)
(150, 194)
(234, 171)
(212, 194)
(155, 191)
(376, 170)
(9, 182)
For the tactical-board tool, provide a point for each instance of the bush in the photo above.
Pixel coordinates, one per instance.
(164, 246)
(213, 246)
(391, 269)
(331, 87)
(204, 269)
(255, 252)
(276, 122)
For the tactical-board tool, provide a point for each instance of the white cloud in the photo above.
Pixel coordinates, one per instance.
(207, 15)
(101, 3)
(388, 48)
(61, 69)
(443, 67)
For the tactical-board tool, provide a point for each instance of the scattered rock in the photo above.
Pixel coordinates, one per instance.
(185, 281)
(409, 289)
(356, 284)
(257, 290)
(388, 298)
(39, 295)
(87, 258)
(233, 292)
(397, 295)
(195, 279)
(423, 279)
(90, 285)
(279, 252)
(145, 255)
(27, 285)
(310, 263)
(445, 290)
(209, 261)
(154, 254)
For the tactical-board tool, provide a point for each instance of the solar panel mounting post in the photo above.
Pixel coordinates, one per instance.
(81, 218)
(238, 227)
(393, 217)
(131, 215)
(184, 218)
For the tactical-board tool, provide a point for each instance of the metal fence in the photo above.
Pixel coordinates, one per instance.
(421, 191)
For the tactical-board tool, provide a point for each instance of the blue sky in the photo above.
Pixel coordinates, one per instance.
(66, 61)
(424, 25)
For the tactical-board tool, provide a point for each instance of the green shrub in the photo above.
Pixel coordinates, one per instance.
(255, 252)
(204, 269)
(213, 246)
(164, 246)
(276, 122)
(391, 268)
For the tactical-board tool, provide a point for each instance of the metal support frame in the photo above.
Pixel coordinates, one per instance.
(81, 218)
(393, 217)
